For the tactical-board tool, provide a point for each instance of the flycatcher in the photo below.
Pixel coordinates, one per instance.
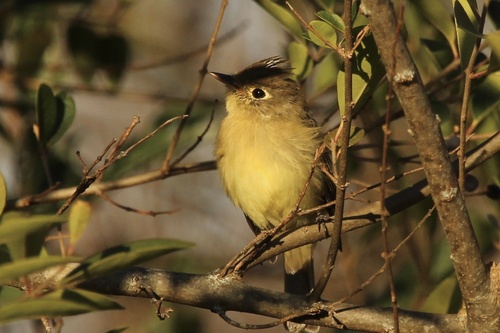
(265, 149)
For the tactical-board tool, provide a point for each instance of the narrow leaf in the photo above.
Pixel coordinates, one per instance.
(59, 303)
(466, 27)
(122, 256)
(439, 17)
(14, 225)
(22, 267)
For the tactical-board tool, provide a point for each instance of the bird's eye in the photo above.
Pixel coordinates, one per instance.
(258, 93)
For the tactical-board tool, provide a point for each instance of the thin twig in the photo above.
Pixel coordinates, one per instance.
(166, 166)
(468, 73)
(341, 162)
(198, 139)
(134, 210)
(383, 174)
(388, 256)
(311, 28)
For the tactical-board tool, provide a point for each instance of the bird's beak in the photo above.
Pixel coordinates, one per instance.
(227, 80)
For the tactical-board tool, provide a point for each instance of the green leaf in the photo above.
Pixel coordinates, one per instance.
(83, 44)
(3, 193)
(466, 27)
(113, 56)
(59, 303)
(79, 217)
(324, 75)
(54, 114)
(443, 297)
(367, 73)
(326, 31)
(14, 225)
(285, 17)
(22, 267)
(485, 101)
(122, 256)
(355, 135)
(66, 114)
(46, 113)
(333, 19)
(439, 17)
(327, 4)
(494, 42)
(300, 61)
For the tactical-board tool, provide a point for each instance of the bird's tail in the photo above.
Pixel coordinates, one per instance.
(299, 280)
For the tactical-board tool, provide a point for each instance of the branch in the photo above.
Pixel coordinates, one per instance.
(226, 294)
(98, 188)
(483, 312)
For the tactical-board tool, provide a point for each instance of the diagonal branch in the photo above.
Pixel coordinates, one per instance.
(483, 312)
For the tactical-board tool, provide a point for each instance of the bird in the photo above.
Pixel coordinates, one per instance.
(265, 148)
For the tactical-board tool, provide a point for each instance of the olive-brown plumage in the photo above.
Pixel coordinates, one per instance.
(265, 149)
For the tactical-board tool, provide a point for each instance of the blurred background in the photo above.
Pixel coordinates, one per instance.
(119, 59)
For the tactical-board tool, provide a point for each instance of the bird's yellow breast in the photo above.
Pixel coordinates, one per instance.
(264, 164)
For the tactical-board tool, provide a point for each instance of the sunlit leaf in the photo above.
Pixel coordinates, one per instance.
(23, 267)
(300, 61)
(79, 217)
(59, 303)
(326, 31)
(122, 256)
(367, 73)
(285, 17)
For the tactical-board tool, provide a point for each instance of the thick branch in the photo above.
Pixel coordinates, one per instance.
(483, 312)
(227, 294)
